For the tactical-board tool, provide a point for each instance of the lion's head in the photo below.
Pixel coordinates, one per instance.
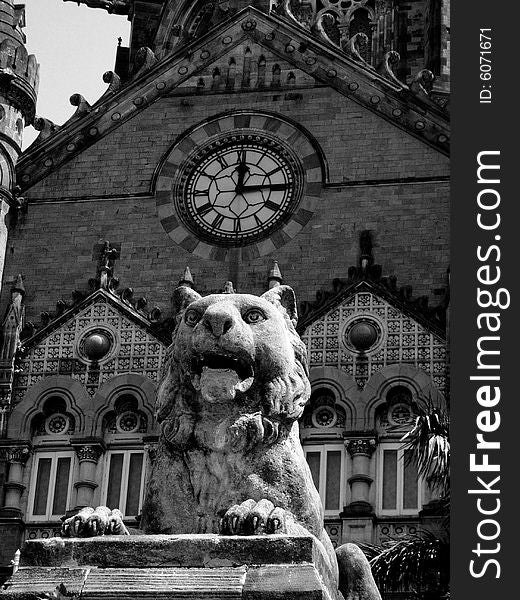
(236, 362)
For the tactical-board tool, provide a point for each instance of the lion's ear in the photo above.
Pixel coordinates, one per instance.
(182, 297)
(283, 297)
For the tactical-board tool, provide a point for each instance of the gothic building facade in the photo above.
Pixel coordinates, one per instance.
(251, 142)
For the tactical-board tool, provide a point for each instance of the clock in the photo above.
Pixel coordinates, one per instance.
(244, 183)
(239, 188)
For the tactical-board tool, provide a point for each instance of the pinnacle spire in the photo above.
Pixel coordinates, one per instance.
(275, 276)
(187, 278)
(18, 285)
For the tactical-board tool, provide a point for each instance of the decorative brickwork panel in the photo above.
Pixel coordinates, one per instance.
(38, 533)
(333, 528)
(397, 339)
(130, 350)
(396, 530)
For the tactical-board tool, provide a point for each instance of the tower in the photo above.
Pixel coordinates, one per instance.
(19, 76)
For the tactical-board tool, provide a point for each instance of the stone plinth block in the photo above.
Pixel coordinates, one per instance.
(173, 566)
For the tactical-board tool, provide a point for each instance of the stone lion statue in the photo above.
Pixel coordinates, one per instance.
(229, 459)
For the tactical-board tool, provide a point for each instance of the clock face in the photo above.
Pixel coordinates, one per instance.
(240, 188)
(238, 185)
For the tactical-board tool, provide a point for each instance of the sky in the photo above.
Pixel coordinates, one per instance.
(74, 45)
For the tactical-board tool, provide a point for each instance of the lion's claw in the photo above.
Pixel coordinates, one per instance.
(91, 523)
(253, 518)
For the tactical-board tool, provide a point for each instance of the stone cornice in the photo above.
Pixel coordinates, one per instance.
(418, 117)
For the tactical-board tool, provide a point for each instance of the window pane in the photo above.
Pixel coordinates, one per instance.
(134, 485)
(410, 492)
(61, 488)
(333, 480)
(313, 458)
(42, 486)
(389, 479)
(114, 481)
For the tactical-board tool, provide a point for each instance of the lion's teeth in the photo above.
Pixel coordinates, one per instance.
(245, 384)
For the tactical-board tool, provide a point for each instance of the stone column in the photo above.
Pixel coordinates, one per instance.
(361, 451)
(12, 524)
(88, 453)
(357, 520)
(16, 457)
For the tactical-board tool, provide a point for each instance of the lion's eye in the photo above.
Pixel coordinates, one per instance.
(191, 317)
(254, 316)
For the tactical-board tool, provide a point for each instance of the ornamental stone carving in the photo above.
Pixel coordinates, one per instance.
(89, 452)
(16, 454)
(364, 446)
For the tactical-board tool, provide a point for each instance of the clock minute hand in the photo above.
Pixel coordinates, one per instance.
(273, 187)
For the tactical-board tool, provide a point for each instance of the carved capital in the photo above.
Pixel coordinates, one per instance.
(16, 454)
(363, 446)
(89, 452)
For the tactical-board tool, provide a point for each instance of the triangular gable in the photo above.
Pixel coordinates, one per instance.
(297, 47)
(57, 349)
(400, 338)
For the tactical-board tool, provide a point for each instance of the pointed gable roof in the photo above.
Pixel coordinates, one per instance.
(417, 116)
(125, 309)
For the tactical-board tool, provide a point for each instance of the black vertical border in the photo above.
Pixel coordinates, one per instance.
(480, 127)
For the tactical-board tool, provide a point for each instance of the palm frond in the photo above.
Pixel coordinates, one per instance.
(416, 562)
(429, 442)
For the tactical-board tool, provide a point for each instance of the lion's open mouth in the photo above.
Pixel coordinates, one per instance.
(243, 368)
(219, 376)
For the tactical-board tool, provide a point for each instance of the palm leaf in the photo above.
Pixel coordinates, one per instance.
(419, 563)
(430, 445)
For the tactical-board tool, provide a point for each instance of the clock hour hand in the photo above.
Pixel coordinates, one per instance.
(242, 170)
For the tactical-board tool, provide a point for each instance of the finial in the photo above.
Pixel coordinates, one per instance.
(15, 562)
(119, 41)
(275, 276)
(365, 244)
(187, 278)
(106, 277)
(18, 286)
(228, 288)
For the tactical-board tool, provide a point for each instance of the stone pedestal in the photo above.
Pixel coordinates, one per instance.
(165, 566)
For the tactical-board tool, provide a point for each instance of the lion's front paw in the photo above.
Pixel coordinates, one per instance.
(91, 523)
(254, 518)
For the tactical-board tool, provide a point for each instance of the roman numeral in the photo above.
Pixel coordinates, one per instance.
(222, 162)
(200, 193)
(204, 209)
(271, 205)
(217, 222)
(237, 227)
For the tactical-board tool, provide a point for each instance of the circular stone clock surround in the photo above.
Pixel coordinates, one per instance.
(246, 182)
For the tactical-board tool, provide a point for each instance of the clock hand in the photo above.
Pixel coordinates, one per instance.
(242, 169)
(273, 187)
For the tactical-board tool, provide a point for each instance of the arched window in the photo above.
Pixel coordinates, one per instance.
(54, 419)
(400, 491)
(125, 459)
(323, 424)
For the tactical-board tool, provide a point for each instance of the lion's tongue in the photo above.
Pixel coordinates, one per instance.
(220, 385)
